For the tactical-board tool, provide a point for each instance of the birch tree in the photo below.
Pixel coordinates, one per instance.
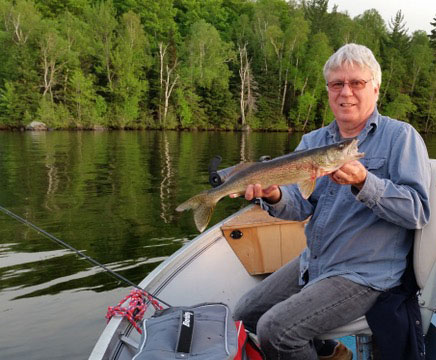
(168, 80)
(53, 49)
(247, 100)
(420, 57)
(296, 36)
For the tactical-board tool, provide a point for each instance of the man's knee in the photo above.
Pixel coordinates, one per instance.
(272, 331)
(269, 330)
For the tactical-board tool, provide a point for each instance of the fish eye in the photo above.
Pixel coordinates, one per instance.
(341, 146)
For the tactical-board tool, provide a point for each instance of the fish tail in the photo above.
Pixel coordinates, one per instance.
(202, 205)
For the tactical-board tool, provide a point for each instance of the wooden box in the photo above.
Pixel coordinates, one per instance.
(264, 243)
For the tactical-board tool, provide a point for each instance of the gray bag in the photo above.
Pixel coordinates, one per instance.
(200, 332)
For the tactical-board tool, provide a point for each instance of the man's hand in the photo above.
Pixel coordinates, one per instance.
(352, 173)
(271, 194)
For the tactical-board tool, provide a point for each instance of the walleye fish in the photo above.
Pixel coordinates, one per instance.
(300, 167)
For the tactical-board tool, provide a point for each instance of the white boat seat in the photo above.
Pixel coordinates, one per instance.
(424, 263)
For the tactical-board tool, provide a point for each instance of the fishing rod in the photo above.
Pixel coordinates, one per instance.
(78, 252)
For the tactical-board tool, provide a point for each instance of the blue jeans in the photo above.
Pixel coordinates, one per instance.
(287, 317)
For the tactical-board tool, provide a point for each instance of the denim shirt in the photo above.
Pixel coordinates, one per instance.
(364, 235)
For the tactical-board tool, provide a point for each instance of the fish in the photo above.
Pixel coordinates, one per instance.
(300, 167)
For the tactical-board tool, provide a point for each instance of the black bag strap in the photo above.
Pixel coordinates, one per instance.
(186, 331)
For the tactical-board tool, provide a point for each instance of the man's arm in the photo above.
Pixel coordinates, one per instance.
(404, 198)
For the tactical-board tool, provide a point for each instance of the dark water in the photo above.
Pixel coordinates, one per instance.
(111, 195)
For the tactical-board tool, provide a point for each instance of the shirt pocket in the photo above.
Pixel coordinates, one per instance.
(376, 166)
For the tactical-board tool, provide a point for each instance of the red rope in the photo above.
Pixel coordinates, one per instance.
(136, 309)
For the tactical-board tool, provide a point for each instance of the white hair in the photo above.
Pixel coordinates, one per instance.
(351, 55)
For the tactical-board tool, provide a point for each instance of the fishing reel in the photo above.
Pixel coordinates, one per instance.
(215, 178)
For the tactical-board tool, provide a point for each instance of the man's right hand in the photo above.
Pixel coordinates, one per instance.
(271, 194)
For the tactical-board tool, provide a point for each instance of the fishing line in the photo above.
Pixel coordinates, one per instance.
(78, 252)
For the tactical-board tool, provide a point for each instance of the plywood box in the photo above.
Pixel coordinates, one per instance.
(264, 243)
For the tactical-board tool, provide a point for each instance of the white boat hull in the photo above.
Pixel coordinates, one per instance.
(204, 270)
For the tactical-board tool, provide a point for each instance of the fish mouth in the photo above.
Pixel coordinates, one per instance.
(353, 150)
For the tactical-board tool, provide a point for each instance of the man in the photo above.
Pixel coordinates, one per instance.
(361, 226)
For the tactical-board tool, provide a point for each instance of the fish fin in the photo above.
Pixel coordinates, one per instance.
(202, 205)
(306, 187)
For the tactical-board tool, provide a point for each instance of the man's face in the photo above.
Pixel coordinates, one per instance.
(352, 107)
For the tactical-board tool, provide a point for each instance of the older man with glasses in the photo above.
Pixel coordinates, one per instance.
(361, 223)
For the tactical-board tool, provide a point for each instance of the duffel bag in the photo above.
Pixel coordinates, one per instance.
(200, 332)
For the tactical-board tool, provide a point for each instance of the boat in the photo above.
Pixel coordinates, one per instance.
(228, 259)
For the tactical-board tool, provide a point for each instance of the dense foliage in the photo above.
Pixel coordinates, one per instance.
(198, 64)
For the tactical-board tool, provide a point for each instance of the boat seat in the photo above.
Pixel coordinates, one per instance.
(424, 263)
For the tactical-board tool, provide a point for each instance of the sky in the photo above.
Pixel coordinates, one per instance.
(417, 13)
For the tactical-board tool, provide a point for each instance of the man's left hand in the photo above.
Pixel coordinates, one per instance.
(352, 173)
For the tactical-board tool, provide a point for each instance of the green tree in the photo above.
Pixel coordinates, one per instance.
(206, 70)
(420, 57)
(158, 21)
(318, 52)
(85, 105)
(394, 63)
(430, 111)
(394, 74)
(296, 35)
(55, 8)
(54, 115)
(194, 63)
(206, 57)
(398, 35)
(340, 29)
(189, 108)
(400, 107)
(53, 49)
(130, 62)
(20, 32)
(371, 30)
(161, 30)
(432, 35)
(11, 106)
(77, 53)
(316, 12)
(211, 11)
(102, 25)
(272, 46)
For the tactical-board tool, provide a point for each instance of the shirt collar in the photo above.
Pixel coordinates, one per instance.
(370, 127)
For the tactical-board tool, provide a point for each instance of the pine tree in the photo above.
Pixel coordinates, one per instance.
(432, 35)
(398, 36)
(317, 12)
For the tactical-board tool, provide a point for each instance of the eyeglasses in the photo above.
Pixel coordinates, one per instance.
(353, 84)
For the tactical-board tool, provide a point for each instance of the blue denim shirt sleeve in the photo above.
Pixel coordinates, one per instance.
(292, 206)
(402, 199)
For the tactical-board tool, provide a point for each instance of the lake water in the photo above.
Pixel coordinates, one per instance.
(111, 195)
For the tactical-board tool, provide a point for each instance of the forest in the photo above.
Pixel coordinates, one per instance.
(198, 64)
